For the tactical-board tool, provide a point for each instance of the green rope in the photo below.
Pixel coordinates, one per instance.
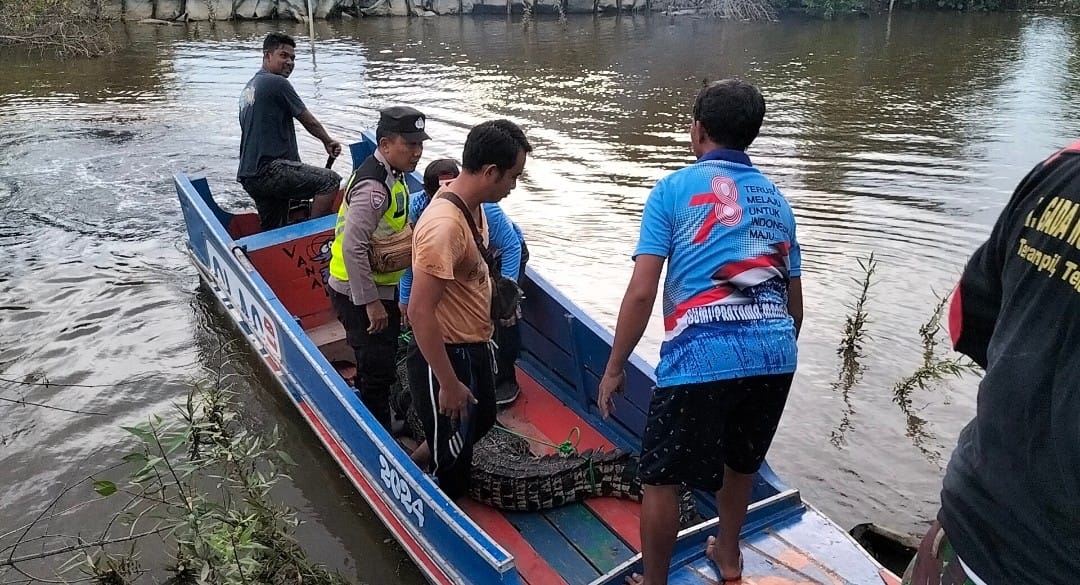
(567, 447)
(406, 338)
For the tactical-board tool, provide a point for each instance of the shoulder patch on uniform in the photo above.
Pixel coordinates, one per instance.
(377, 199)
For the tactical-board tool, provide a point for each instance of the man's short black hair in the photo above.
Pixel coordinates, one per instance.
(495, 142)
(731, 111)
(275, 40)
(438, 170)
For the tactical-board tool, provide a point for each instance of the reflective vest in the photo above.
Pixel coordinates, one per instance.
(393, 219)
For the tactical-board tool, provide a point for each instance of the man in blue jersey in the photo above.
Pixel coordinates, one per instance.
(732, 312)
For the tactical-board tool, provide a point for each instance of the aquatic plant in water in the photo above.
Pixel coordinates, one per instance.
(199, 481)
(850, 350)
(929, 375)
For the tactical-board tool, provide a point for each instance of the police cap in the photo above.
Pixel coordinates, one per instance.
(403, 120)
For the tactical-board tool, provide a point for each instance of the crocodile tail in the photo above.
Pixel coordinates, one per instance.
(617, 476)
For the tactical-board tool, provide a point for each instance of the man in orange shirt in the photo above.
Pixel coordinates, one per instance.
(451, 371)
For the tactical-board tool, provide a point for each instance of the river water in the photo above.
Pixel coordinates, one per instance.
(900, 137)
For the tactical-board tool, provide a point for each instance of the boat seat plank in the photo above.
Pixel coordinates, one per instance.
(758, 569)
(329, 332)
(550, 544)
(532, 567)
(286, 234)
(798, 542)
(590, 536)
(621, 516)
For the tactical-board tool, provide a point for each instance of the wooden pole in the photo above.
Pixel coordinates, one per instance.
(311, 22)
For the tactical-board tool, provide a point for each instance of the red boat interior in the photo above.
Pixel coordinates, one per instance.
(571, 544)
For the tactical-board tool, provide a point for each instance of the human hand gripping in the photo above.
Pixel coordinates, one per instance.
(333, 148)
(454, 400)
(377, 316)
(613, 382)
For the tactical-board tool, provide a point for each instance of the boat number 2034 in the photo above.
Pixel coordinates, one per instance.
(399, 488)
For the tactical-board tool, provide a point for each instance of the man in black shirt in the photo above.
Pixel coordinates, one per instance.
(270, 168)
(1010, 504)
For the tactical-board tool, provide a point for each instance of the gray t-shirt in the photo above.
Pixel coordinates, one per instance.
(268, 106)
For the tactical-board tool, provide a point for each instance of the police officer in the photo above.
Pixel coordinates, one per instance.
(375, 206)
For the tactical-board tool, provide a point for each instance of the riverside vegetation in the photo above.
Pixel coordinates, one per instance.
(65, 28)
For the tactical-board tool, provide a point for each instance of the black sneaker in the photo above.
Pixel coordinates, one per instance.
(507, 392)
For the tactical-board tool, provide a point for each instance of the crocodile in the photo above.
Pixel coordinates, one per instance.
(506, 475)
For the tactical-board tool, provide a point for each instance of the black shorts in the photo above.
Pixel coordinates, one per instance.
(694, 430)
(452, 442)
(280, 181)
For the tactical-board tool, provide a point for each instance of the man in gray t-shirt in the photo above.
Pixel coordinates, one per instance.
(270, 168)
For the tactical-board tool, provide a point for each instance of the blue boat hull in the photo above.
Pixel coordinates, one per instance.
(443, 542)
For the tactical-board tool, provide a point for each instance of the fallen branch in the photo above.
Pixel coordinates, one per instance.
(851, 351)
(39, 405)
(12, 561)
(45, 383)
(161, 22)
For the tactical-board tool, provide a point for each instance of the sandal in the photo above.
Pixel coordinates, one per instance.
(711, 542)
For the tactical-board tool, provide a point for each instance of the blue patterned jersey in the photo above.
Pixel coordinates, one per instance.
(728, 236)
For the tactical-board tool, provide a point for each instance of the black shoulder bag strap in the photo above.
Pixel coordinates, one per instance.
(506, 295)
(484, 251)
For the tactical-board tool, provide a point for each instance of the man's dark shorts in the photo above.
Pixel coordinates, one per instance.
(694, 430)
(452, 442)
(279, 181)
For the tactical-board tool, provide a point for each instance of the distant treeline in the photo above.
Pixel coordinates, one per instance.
(839, 8)
(80, 27)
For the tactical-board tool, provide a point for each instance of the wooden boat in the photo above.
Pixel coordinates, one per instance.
(272, 286)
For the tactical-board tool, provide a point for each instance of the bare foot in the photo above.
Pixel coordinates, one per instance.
(724, 566)
(635, 579)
